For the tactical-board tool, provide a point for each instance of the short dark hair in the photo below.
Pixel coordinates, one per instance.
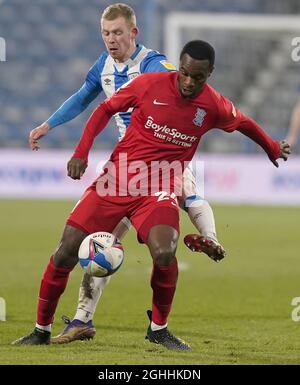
(199, 50)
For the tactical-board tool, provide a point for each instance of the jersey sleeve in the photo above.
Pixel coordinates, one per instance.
(156, 62)
(92, 80)
(73, 106)
(128, 96)
(229, 117)
(79, 101)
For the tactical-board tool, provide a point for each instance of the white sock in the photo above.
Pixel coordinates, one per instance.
(89, 297)
(202, 217)
(47, 328)
(155, 327)
(83, 315)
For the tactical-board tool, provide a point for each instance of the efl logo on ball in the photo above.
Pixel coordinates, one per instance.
(100, 254)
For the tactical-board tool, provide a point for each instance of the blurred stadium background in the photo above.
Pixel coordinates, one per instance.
(50, 45)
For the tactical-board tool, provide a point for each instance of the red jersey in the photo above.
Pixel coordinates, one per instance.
(164, 126)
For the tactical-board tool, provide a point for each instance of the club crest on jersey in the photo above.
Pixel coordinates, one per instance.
(133, 75)
(199, 117)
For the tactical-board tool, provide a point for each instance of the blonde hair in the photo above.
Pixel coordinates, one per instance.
(114, 11)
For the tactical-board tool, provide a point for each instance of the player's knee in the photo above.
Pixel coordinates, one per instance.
(66, 254)
(163, 255)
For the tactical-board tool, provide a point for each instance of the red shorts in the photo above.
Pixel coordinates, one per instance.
(94, 213)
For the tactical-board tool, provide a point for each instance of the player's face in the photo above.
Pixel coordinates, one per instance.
(119, 38)
(193, 74)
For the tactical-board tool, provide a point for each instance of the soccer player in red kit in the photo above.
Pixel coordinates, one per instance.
(171, 112)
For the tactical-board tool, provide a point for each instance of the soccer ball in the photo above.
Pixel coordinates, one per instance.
(100, 254)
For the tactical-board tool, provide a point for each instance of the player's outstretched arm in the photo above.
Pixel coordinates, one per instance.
(126, 97)
(120, 101)
(95, 124)
(274, 149)
(231, 119)
(69, 110)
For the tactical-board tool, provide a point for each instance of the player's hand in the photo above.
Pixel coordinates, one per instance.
(36, 134)
(76, 168)
(285, 151)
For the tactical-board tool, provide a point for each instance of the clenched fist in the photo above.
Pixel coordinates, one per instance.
(76, 168)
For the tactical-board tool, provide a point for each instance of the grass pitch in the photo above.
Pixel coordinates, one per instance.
(234, 312)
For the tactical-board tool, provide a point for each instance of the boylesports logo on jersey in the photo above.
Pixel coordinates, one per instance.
(168, 134)
(199, 117)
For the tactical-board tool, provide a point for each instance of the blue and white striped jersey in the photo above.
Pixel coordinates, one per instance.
(106, 75)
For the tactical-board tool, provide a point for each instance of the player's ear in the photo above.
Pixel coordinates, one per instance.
(134, 32)
(211, 70)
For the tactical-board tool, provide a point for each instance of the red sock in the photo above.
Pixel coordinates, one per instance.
(53, 285)
(163, 283)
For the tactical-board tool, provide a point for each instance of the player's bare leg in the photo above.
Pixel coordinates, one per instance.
(53, 285)
(162, 244)
(90, 291)
(201, 215)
